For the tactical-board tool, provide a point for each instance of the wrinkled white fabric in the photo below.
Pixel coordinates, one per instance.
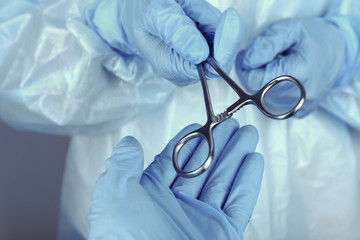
(58, 76)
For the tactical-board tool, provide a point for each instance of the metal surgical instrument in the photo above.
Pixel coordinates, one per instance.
(212, 120)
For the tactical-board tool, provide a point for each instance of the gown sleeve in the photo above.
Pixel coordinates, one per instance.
(58, 76)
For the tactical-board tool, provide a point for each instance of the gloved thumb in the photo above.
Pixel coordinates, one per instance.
(124, 165)
(274, 41)
(227, 40)
(222, 31)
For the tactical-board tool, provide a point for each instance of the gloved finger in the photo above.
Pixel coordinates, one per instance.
(193, 186)
(205, 16)
(275, 40)
(245, 189)
(218, 185)
(167, 21)
(226, 42)
(293, 64)
(125, 164)
(222, 32)
(162, 168)
(168, 63)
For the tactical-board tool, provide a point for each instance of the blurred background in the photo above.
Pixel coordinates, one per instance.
(31, 169)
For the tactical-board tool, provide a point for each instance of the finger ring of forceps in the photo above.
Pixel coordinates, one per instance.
(258, 99)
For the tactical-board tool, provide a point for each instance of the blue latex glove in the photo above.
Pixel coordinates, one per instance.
(311, 50)
(128, 203)
(171, 36)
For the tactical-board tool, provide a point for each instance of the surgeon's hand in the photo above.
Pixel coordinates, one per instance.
(129, 203)
(171, 36)
(311, 50)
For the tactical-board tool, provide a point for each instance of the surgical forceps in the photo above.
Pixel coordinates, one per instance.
(213, 120)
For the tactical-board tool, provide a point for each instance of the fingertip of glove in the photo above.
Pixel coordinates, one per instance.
(231, 122)
(246, 136)
(128, 140)
(257, 160)
(230, 20)
(129, 146)
(256, 157)
(233, 16)
(240, 61)
(191, 44)
(199, 51)
(227, 38)
(125, 162)
(249, 59)
(250, 130)
(259, 53)
(179, 32)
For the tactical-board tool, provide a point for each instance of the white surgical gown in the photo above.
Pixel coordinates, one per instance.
(58, 76)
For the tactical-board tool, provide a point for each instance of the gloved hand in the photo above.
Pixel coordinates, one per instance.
(171, 36)
(311, 50)
(128, 203)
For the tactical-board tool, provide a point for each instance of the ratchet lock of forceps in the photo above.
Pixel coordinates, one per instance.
(212, 120)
